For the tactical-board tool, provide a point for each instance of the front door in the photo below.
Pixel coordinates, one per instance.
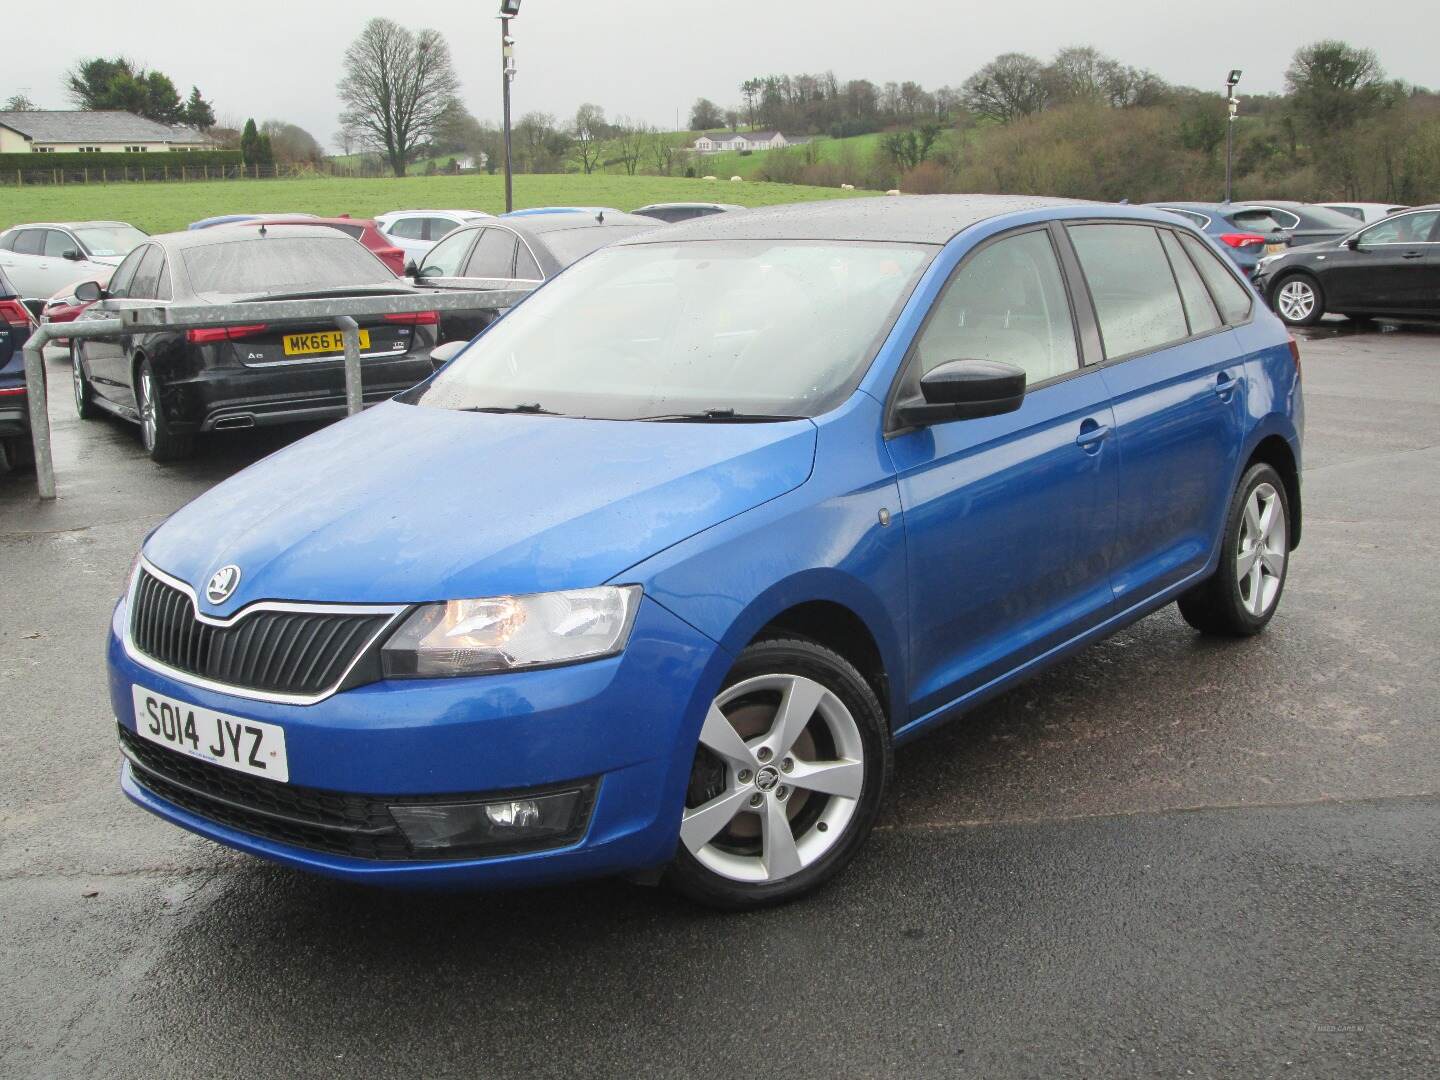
(1391, 267)
(1008, 519)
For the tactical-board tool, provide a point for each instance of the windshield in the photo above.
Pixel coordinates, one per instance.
(279, 263)
(109, 240)
(760, 327)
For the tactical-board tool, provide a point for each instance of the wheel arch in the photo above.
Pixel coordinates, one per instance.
(1275, 450)
(838, 628)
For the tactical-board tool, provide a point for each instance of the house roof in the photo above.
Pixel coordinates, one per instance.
(81, 126)
(752, 136)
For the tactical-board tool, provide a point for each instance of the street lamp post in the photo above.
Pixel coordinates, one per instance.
(1232, 104)
(508, 10)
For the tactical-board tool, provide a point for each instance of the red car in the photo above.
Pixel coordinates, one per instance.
(362, 229)
(65, 306)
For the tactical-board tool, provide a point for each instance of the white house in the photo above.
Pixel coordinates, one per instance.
(720, 141)
(39, 131)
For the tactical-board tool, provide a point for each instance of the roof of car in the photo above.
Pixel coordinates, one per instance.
(929, 219)
(65, 224)
(457, 213)
(240, 230)
(288, 219)
(690, 206)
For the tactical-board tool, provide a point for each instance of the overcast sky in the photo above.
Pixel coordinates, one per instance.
(651, 58)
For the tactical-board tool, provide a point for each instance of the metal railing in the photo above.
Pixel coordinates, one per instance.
(122, 318)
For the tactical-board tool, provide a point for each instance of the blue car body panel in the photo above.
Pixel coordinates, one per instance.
(973, 552)
(592, 497)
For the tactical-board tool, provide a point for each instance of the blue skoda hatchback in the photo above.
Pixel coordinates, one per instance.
(653, 575)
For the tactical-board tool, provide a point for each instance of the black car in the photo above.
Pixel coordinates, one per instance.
(482, 254)
(176, 384)
(1389, 268)
(1305, 223)
(671, 212)
(15, 330)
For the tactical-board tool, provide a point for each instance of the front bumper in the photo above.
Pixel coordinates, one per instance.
(629, 724)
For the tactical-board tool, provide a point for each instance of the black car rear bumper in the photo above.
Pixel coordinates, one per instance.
(222, 398)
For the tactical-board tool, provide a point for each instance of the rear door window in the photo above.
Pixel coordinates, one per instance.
(1232, 298)
(30, 242)
(408, 229)
(494, 255)
(1134, 292)
(436, 228)
(1199, 308)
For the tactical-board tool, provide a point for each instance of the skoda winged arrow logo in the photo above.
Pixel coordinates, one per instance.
(222, 584)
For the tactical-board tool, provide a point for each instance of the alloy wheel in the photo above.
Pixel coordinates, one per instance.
(787, 771)
(147, 409)
(77, 378)
(1296, 300)
(1260, 558)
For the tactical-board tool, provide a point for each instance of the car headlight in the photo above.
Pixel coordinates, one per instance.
(509, 633)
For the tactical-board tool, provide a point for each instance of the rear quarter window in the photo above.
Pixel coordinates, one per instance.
(1232, 298)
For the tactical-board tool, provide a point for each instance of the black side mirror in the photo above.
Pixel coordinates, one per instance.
(411, 270)
(965, 390)
(89, 292)
(1352, 242)
(71, 254)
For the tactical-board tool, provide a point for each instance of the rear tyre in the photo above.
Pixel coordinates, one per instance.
(1299, 300)
(1241, 596)
(85, 406)
(161, 443)
(787, 781)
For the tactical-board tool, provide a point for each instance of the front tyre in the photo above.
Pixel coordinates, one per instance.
(787, 781)
(1299, 300)
(1241, 596)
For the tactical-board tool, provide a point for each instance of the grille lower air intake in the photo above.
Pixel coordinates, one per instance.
(303, 653)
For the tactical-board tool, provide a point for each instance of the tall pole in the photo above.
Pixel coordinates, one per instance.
(1232, 105)
(507, 73)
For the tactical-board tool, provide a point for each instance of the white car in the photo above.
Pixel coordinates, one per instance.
(417, 231)
(1364, 212)
(44, 257)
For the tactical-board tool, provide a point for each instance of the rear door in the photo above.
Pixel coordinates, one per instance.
(1178, 392)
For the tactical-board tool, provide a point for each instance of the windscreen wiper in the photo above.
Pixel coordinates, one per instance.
(721, 415)
(532, 407)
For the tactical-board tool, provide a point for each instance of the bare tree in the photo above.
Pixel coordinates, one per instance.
(19, 103)
(666, 147)
(589, 133)
(396, 87)
(1010, 86)
(631, 137)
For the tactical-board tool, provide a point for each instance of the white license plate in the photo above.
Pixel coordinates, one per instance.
(248, 746)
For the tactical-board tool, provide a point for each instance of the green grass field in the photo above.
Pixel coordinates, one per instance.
(162, 207)
(734, 164)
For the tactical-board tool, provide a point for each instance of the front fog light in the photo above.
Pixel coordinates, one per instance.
(531, 821)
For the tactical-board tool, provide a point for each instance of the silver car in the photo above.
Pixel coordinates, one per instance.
(42, 258)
